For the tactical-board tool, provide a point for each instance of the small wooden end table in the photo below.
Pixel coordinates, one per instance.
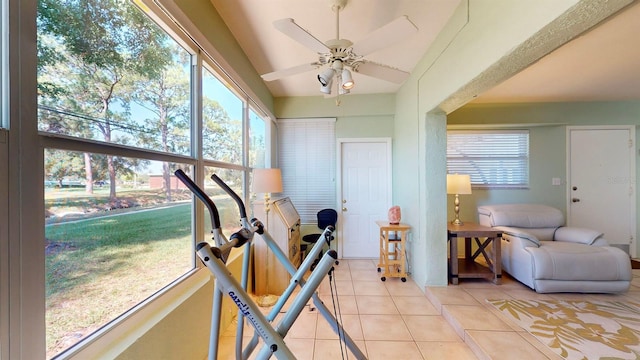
(392, 250)
(467, 267)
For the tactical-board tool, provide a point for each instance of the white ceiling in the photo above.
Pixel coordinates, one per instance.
(251, 22)
(603, 64)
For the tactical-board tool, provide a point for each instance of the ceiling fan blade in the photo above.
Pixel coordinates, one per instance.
(395, 31)
(290, 28)
(290, 71)
(382, 72)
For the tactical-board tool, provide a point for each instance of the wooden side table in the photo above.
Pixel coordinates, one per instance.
(467, 267)
(392, 250)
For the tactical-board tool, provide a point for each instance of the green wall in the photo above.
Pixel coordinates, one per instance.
(319, 106)
(484, 43)
(547, 124)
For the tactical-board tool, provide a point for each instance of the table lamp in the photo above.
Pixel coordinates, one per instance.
(267, 181)
(458, 184)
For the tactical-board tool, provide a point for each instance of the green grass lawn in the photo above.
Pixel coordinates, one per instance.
(98, 268)
(99, 264)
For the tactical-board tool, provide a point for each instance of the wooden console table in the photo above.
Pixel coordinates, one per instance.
(467, 267)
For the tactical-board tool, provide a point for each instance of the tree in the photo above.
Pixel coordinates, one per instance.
(62, 164)
(108, 41)
(222, 135)
(167, 100)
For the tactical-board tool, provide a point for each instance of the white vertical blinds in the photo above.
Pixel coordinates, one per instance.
(496, 158)
(307, 158)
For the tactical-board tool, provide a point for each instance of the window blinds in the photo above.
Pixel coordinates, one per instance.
(307, 158)
(497, 158)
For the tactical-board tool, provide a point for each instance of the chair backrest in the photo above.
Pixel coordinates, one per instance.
(327, 217)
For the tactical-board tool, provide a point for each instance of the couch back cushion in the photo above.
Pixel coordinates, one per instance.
(521, 216)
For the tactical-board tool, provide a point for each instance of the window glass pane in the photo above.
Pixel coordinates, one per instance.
(222, 121)
(227, 208)
(106, 72)
(257, 140)
(109, 245)
(491, 158)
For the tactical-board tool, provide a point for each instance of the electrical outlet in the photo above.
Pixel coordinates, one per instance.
(556, 181)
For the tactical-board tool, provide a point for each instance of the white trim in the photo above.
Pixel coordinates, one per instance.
(339, 143)
(632, 170)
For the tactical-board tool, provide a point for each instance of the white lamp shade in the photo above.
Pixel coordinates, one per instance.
(326, 76)
(458, 184)
(267, 181)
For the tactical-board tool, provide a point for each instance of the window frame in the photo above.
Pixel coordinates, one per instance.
(480, 156)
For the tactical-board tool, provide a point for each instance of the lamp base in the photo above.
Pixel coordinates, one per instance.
(456, 211)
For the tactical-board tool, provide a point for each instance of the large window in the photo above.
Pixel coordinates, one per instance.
(306, 154)
(493, 159)
(116, 116)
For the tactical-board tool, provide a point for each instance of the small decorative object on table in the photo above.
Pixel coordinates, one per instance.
(394, 215)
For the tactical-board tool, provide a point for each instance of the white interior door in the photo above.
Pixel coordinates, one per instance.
(601, 182)
(365, 173)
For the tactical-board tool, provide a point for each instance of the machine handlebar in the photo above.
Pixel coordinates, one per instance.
(238, 200)
(215, 217)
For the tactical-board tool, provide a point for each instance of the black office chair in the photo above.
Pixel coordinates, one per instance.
(326, 217)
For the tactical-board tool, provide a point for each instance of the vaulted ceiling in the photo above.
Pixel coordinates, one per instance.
(602, 64)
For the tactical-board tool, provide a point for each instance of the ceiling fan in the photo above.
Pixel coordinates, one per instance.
(339, 56)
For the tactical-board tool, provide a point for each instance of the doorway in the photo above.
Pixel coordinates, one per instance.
(364, 194)
(601, 182)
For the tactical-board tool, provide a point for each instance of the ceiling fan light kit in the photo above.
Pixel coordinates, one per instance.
(340, 57)
(326, 76)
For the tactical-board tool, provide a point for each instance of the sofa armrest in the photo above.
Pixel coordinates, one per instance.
(519, 235)
(577, 235)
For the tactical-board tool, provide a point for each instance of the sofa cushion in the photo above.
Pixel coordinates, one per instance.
(522, 215)
(557, 260)
(577, 235)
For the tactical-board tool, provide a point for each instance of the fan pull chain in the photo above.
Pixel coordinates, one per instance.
(337, 313)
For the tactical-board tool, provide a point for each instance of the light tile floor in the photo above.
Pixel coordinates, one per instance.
(487, 332)
(396, 320)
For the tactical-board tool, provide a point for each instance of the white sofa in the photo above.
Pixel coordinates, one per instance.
(539, 251)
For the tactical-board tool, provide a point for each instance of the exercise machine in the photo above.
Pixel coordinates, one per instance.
(215, 257)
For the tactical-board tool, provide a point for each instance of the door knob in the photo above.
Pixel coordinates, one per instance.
(344, 209)
(575, 200)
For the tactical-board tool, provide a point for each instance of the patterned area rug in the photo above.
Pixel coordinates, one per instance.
(579, 329)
